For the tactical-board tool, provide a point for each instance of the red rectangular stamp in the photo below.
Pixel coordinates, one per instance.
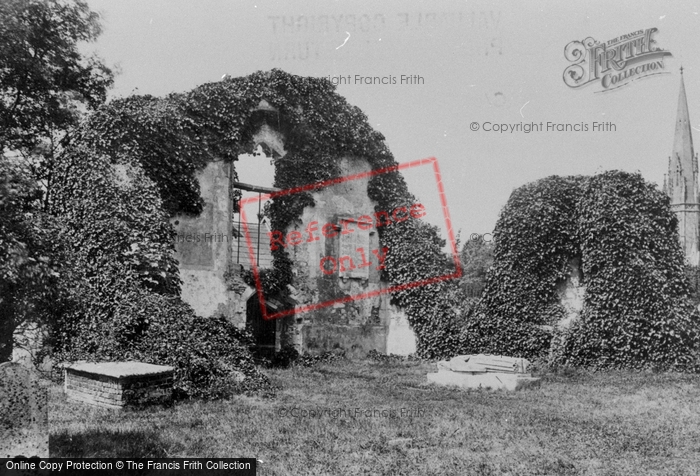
(345, 246)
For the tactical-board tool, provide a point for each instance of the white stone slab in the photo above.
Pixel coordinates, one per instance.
(120, 369)
(492, 380)
(485, 363)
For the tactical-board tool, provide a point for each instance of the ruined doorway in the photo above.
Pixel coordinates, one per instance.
(264, 331)
(255, 175)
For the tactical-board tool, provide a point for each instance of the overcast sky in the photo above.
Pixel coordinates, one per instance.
(488, 61)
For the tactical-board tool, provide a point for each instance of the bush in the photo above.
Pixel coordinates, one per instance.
(121, 283)
(210, 355)
(391, 358)
(288, 356)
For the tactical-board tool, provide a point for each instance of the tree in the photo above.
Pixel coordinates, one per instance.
(45, 82)
(25, 268)
(477, 258)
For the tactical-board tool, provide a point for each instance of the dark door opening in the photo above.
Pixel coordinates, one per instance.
(264, 331)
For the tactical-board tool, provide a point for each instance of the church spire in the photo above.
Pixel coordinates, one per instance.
(683, 139)
(682, 182)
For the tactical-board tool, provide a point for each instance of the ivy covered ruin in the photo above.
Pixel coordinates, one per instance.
(173, 161)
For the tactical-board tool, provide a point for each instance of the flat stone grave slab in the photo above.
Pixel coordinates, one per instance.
(486, 380)
(24, 418)
(484, 371)
(119, 384)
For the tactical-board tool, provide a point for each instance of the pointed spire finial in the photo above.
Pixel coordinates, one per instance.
(681, 70)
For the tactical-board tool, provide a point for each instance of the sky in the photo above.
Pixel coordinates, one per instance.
(467, 64)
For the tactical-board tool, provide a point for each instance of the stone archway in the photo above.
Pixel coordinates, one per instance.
(213, 280)
(207, 246)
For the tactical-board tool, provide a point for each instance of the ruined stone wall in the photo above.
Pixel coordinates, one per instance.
(401, 340)
(203, 248)
(571, 293)
(319, 274)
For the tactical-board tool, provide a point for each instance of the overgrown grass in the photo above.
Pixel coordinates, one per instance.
(575, 423)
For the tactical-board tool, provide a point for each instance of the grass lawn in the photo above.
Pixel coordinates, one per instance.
(365, 417)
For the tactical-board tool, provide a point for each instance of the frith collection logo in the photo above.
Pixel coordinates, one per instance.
(614, 63)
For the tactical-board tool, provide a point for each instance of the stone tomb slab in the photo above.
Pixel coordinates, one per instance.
(119, 384)
(24, 418)
(492, 380)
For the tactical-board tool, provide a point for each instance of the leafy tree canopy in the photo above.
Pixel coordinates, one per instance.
(25, 265)
(477, 258)
(45, 82)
